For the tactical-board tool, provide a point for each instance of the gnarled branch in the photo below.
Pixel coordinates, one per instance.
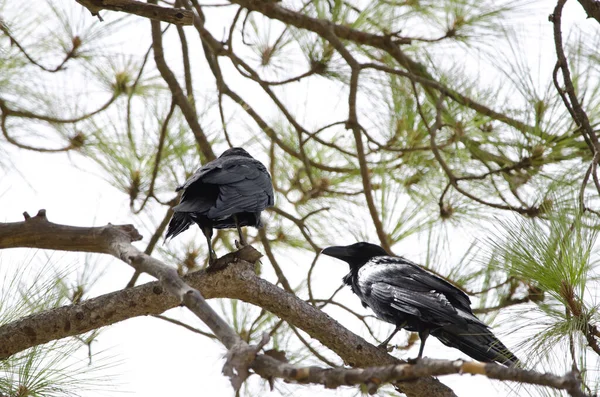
(176, 16)
(237, 281)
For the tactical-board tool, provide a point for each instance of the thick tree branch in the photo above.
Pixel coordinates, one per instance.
(236, 281)
(320, 26)
(116, 241)
(170, 15)
(592, 8)
(38, 232)
(373, 377)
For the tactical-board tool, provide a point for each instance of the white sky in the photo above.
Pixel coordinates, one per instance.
(157, 358)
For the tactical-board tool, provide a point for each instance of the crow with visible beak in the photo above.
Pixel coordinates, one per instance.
(412, 298)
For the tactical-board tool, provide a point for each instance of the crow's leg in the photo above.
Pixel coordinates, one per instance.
(389, 338)
(208, 232)
(423, 334)
(239, 229)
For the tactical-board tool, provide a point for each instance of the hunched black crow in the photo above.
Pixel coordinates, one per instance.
(410, 297)
(229, 192)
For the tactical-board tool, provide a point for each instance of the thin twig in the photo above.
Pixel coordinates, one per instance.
(184, 325)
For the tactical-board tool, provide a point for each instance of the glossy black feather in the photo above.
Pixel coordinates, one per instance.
(406, 295)
(234, 185)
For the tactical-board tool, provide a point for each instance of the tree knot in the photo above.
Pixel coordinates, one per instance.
(239, 358)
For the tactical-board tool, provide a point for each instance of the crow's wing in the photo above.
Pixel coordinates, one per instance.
(232, 201)
(429, 306)
(404, 286)
(416, 277)
(244, 186)
(199, 199)
(213, 166)
(224, 170)
(420, 276)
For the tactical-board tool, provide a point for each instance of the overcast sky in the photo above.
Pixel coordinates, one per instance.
(157, 358)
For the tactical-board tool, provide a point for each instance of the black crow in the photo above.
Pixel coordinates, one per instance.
(410, 297)
(229, 192)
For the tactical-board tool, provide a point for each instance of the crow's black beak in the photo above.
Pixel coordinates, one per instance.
(337, 252)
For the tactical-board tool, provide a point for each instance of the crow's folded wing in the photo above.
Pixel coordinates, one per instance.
(429, 306)
(244, 187)
(408, 288)
(404, 273)
(429, 280)
(225, 170)
(199, 201)
(213, 166)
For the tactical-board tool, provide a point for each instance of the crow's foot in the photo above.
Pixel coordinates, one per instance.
(240, 244)
(212, 258)
(385, 347)
(413, 361)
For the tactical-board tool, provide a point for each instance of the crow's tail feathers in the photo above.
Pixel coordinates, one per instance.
(478, 342)
(179, 223)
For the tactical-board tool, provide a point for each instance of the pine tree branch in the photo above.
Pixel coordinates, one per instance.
(581, 117)
(354, 125)
(116, 241)
(214, 48)
(50, 119)
(571, 100)
(178, 96)
(269, 252)
(575, 308)
(453, 179)
(72, 53)
(387, 43)
(236, 282)
(320, 26)
(176, 16)
(184, 325)
(13, 141)
(158, 233)
(373, 377)
(503, 304)
(592, 8)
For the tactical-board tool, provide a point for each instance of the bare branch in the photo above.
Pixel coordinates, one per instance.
(176, 16)
(184, 325)
(373, 377)
(592, 8)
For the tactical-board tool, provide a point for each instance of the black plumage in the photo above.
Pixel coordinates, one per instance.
(410, 297)
(229, 192)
